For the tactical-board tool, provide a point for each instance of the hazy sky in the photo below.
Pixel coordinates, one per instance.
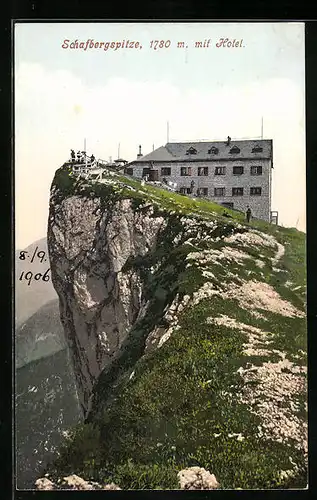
(127, 95)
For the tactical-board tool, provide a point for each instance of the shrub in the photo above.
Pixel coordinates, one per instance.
(131, 476)
(79, 452)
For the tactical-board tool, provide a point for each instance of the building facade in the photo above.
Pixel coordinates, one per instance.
(235, 174)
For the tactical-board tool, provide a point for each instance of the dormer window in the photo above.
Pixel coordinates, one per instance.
(257, 149)
(191, 151)
(213, 151)
(234, 150)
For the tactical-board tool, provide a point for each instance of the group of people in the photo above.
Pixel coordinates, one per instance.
(80, 156)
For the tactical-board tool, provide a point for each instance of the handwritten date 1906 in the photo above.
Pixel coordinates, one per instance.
(29, 276)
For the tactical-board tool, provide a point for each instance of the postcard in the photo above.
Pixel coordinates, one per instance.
(160, 238)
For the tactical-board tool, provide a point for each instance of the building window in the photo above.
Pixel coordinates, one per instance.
(257, 149)
(237, 170)
(219, 191)
(213, 150)
(191, 151)
(146, 171)
(166, 171)
(129, 171)
(237, 191)
(220, 170)
(255, 191)
(202, 191)
(234, 150)
(185, 190)
(202, 171)
(186, 171)
(256, 170)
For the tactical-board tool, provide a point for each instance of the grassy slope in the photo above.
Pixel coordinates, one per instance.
(182, 405)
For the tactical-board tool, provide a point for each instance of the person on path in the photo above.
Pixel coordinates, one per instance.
(248, 213)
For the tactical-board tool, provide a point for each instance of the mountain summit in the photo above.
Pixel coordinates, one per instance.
(187, 334)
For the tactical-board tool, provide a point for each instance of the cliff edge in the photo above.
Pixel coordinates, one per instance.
(187, 333)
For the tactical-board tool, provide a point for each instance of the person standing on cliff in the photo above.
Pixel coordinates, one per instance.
(248, 213)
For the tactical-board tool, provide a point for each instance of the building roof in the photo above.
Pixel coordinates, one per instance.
(160, 154)
(181, 151)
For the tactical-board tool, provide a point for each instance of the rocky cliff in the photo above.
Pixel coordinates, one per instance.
(89, 246)
(186, 330)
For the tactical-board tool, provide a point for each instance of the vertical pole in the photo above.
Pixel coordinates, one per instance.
(85, 152)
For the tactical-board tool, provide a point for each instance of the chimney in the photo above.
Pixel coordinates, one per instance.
(228, 141)
(140, 154)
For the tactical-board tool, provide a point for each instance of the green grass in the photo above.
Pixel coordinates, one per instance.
(176, 400)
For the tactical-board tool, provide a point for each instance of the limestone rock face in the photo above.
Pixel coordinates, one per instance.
(89, 244)
(162, 298)
(44, 484)
(72, 482)
(197, 478)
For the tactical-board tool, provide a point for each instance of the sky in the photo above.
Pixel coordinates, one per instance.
(126, 96)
